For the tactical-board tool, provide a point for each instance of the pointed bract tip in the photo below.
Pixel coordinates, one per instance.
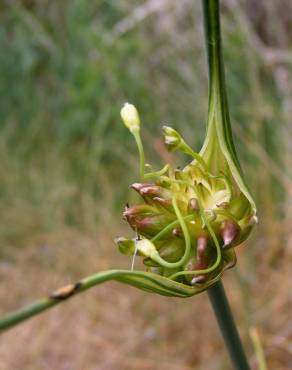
(229, 232)
(198, 279)
(138, 186)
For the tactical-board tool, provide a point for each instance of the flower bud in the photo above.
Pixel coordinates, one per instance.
(146, 248)
(130, 117)
(140, 210)
(202, 244)
(163, 203)
(172, 138)
(146, 220)
(149, 191)
(199, 262)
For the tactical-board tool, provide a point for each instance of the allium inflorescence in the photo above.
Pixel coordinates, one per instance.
(190, 219)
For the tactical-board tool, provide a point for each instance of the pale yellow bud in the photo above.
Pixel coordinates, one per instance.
(130, 117)
(146, 247)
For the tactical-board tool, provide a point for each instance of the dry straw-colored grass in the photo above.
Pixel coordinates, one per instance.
(118, 327)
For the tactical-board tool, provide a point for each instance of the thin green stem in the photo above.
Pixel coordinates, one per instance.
(55, 298)
(188, 150)
(169, 227)
(227, 326)
(186, 234)
(159, 173)
(143, 175)
(217, 245)
(137, 137)
(211, 231)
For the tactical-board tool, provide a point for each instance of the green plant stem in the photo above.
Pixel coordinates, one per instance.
(218, 103)
(218, 110)
(143, 175)
(169, 228)
(55, 298)
(137, 137)
(186, 255)
(227, 326)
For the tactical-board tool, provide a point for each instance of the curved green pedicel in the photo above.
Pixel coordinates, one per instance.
(146, 281)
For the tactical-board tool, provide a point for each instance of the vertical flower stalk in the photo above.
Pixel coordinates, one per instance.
(218, 120)
(227, 326)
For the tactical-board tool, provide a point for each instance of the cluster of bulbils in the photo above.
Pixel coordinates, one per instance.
(190, 219)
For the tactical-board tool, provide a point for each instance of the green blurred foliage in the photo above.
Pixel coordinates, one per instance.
(66, 67)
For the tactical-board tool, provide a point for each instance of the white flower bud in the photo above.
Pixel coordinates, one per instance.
(130, 117)
(172, 138)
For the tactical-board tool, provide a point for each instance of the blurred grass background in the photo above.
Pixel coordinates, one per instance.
(66, 67)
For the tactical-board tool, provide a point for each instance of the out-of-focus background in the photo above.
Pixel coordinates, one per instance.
(66, 67)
